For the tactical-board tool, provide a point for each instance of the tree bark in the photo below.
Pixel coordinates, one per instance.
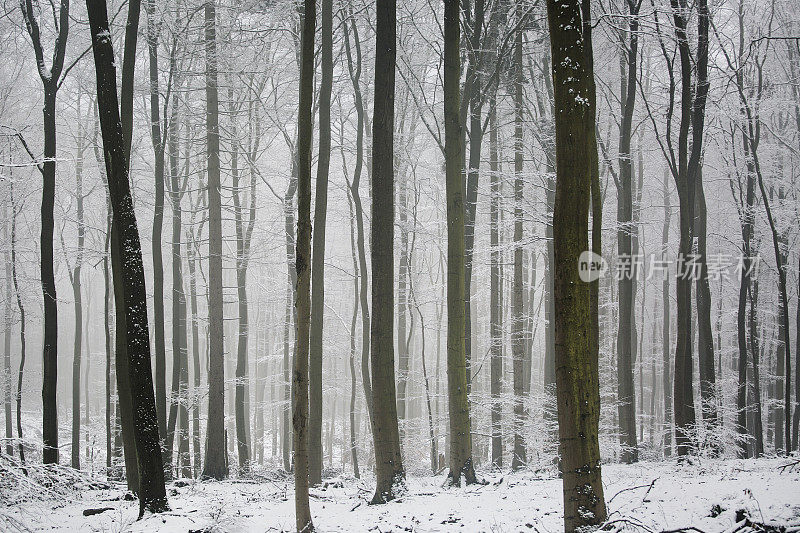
(215, 464)
(300, 408)
(457, 378)
(389, 469)
(576, 364)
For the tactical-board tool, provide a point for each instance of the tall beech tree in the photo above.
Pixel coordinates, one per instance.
(215, 464)
(625, 229)
(130, 289)
(51, 81)
(303, 268)
(457, 379)
(157, 138)
(576, 364)
(389, 469)
(318, 252)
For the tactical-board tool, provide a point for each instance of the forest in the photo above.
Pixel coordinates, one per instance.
(457, 265)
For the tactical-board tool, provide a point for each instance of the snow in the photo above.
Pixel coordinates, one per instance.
(643, 497)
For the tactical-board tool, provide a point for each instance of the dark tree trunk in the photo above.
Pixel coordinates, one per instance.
(51, 79)
(693, 100)
(130, 290)
(389, 469)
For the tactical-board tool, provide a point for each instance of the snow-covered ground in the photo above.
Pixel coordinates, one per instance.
(643, 497)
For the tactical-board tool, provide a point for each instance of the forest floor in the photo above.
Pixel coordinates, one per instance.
(648, 497)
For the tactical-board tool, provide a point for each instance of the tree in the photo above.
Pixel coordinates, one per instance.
(215, 464)
(130, 290)
(159, 145)
(519, 457)
(77, 296)
(318, 252)
(627, 299)
(576, 364)
(685, 171)
(389, 469)
(302, 267)
(51, 80)
(495, 307)
(457, 384)
(21, 309)
(354, 67)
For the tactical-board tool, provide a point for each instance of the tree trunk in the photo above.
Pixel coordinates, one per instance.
(355, 73)
(457, 381)
(576, 364)
(353, 324)
(666, 376)
(9, 318)
(495, 309)
(21, 308)
(626, 332)
(300, 409)
(130, 291)
(318, 252)
(215, 463)
(77, 296)
(519, 458)
(157, 140)
(389, 469)
(708, 388)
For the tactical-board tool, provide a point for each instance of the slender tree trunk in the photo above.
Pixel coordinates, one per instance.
(5, 382)
(577, 381)
(519, 458)
(300, 374)
(495, 309)
(757, 429)
(77, 296)
(353, 325)
(318, 253)
(22, 338)
(355, 73)
(157, 139)
(390, 473)
(666, 375)
(215, 463)
(626, 332)
(708, 387)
